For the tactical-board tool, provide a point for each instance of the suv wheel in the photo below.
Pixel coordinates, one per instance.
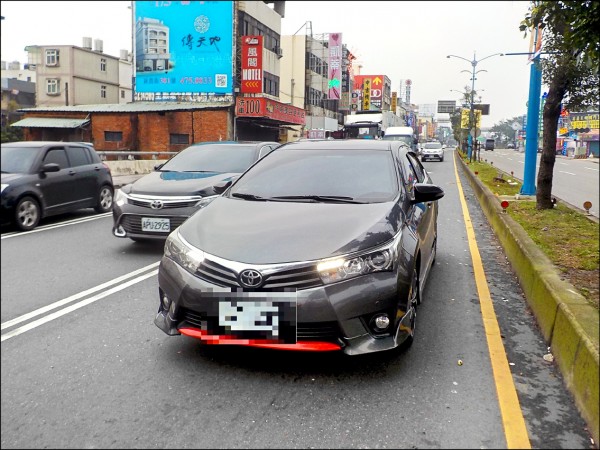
(27, 214)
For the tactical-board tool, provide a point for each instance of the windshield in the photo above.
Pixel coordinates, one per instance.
(398, 137)
(221, 158)
(432, 145)
(18, 159)
(362, 175)
(362, 132)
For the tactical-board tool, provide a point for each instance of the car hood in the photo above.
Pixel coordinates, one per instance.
(8, 178)
(179, 183)
(280, 232)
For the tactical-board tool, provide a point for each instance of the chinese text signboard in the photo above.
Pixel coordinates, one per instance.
(183, 47)
(270, 109)
(334, 79)
(376, 92)
(366, 100)
(394, 102)
(252, 74)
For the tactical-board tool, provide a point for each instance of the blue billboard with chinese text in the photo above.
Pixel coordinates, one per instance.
(183, 47)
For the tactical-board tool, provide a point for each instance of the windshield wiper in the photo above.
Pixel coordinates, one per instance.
(319, 198)
(249, 197)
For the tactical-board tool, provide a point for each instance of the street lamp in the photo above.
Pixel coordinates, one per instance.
(473, 62)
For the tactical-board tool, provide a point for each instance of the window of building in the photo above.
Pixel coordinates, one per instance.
(113, 136)
(122, 93)
(52, 57)
(270, 84)
(103, 91)
(53, 86)
(179, 138)
(102, 64)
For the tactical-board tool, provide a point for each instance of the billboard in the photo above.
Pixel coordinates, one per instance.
(334, 78)
(377, 87)
(183, 47)
(446, 106)
(366, 99)
(270, 109)
(252, 73)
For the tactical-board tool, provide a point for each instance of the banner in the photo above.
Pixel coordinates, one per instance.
(252, 73)
(334, 80)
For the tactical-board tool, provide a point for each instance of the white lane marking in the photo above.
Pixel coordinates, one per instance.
(563, 164)
(59, 225)
(568, 173)
(67, 310)
(72, 298)
(591, 168)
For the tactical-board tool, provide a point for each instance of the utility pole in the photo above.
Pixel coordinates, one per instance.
(472, 124)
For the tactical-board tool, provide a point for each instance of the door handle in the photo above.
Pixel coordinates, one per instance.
(72, 172)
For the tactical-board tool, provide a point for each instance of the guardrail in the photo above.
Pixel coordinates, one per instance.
(123, 155)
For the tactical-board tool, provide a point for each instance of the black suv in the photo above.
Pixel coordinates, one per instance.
(42, 178)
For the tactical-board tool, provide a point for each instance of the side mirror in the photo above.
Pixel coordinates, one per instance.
(50, 167)
(221, 187)
(425, 192)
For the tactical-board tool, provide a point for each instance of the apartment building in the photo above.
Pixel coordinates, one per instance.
(68, 75)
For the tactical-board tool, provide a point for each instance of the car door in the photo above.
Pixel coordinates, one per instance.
(85, 175)
(59, 189)
(422, 216)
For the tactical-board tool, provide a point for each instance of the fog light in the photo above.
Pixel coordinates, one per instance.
(381, 322)
(165, 301)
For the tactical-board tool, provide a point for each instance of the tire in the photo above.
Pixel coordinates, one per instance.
(105, 199)
(27, 214)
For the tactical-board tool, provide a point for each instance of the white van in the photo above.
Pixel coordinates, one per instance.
(404, 134)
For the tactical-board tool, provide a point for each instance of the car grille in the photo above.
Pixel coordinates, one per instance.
(297, 278)
(307, 331)
(133, 224)
(166, 204)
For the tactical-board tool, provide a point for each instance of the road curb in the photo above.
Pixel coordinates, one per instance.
(569, 324)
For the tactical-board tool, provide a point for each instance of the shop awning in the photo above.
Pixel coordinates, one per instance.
(50, 122)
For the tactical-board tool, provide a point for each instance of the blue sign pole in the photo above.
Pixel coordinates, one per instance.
(531, 139)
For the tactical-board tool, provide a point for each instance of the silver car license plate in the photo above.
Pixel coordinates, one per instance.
(156, 225)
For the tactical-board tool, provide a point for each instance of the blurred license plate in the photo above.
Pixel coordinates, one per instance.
(155, 225)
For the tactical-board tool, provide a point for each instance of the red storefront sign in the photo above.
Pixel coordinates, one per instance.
(252, 73)
(270, 109)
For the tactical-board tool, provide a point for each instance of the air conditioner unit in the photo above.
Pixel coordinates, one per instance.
(279, 52)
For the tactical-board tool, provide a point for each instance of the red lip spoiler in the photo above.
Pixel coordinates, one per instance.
(304, 346)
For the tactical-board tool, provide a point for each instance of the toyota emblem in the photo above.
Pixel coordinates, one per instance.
(156, 204)
(251, 278)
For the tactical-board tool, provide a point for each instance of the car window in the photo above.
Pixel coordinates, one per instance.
(221, 158)
(417, 168)
(18, 159)
(361, 174)
(58, 156)
(78, 156)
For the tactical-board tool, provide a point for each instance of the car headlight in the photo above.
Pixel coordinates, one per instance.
(4, 186)
(205, 201)
(120, 197)
(182, 253)
(338, 269)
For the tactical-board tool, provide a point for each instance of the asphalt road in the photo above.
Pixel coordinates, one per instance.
(83, 365)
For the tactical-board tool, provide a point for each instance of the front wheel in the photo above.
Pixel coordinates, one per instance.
(27, 214)
(105, 199)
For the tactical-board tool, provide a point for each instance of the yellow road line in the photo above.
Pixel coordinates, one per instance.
(515, 430)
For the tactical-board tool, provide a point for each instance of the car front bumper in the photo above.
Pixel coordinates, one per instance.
(334, 317)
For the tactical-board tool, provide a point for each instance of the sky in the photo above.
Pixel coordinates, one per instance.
(400, 39)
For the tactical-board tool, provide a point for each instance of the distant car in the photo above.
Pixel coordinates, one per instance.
(319, 246)
(510, 145)
(45, 178)
(432, 150)
(489, 144)
(157, 203)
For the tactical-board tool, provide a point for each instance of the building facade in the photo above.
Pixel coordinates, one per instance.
(69, 75)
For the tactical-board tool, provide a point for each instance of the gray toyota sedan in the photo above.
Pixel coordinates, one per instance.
(319, 246)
